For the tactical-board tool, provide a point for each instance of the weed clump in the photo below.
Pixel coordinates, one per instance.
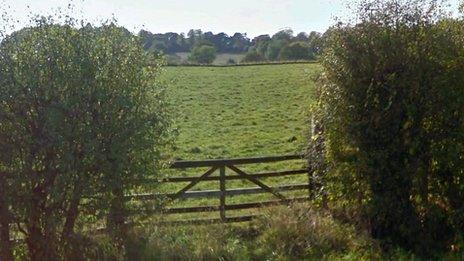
(301, 232)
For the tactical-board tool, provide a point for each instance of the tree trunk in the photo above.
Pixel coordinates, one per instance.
(116, 222)
(71, 216)
(41, 245)
(73, 210)
(40, 241)
(35, 237)
(6, 250)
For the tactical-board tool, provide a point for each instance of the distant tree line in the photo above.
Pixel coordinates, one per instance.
(283, 45)
(174, 43)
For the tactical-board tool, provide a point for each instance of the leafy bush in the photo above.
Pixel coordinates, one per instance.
(231, 61)
(274, 47)
(81, 114)
(296, 51)
(390, 122)
(203, 54)
(252, 56)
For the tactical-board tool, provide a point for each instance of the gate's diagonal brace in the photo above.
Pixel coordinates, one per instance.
(193, 183)
(257, 182)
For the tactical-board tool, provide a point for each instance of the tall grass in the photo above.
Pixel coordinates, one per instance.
(298, 232)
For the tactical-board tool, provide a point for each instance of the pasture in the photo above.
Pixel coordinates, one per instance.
(225, 112)
(236, 112)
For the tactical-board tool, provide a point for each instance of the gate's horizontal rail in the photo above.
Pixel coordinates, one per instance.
(183, 210)
(217, 193)
(220, 165)
(224, 162)
(216, 178)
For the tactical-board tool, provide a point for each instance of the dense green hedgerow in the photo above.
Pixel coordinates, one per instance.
(389, 123)
(81, 114)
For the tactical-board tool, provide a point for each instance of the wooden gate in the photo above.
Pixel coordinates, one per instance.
(224, 167)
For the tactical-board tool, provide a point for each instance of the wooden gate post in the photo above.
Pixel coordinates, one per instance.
(222, 187)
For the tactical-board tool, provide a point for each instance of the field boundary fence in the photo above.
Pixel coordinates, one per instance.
(229, 169)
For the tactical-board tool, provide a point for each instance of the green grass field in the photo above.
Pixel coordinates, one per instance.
(244, 111)
(241, 111)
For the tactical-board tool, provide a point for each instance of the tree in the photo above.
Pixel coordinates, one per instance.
(203, 54)
(273, 49)
(81, 114)
(260, 44)
(278, 41)
(302, 37)
(315, 43)
(147, 39)
(194, 36)
(253, 56)
(283, 35)
(240, 43)
(296, 51)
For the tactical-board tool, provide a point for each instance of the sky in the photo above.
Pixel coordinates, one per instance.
(253, 17)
